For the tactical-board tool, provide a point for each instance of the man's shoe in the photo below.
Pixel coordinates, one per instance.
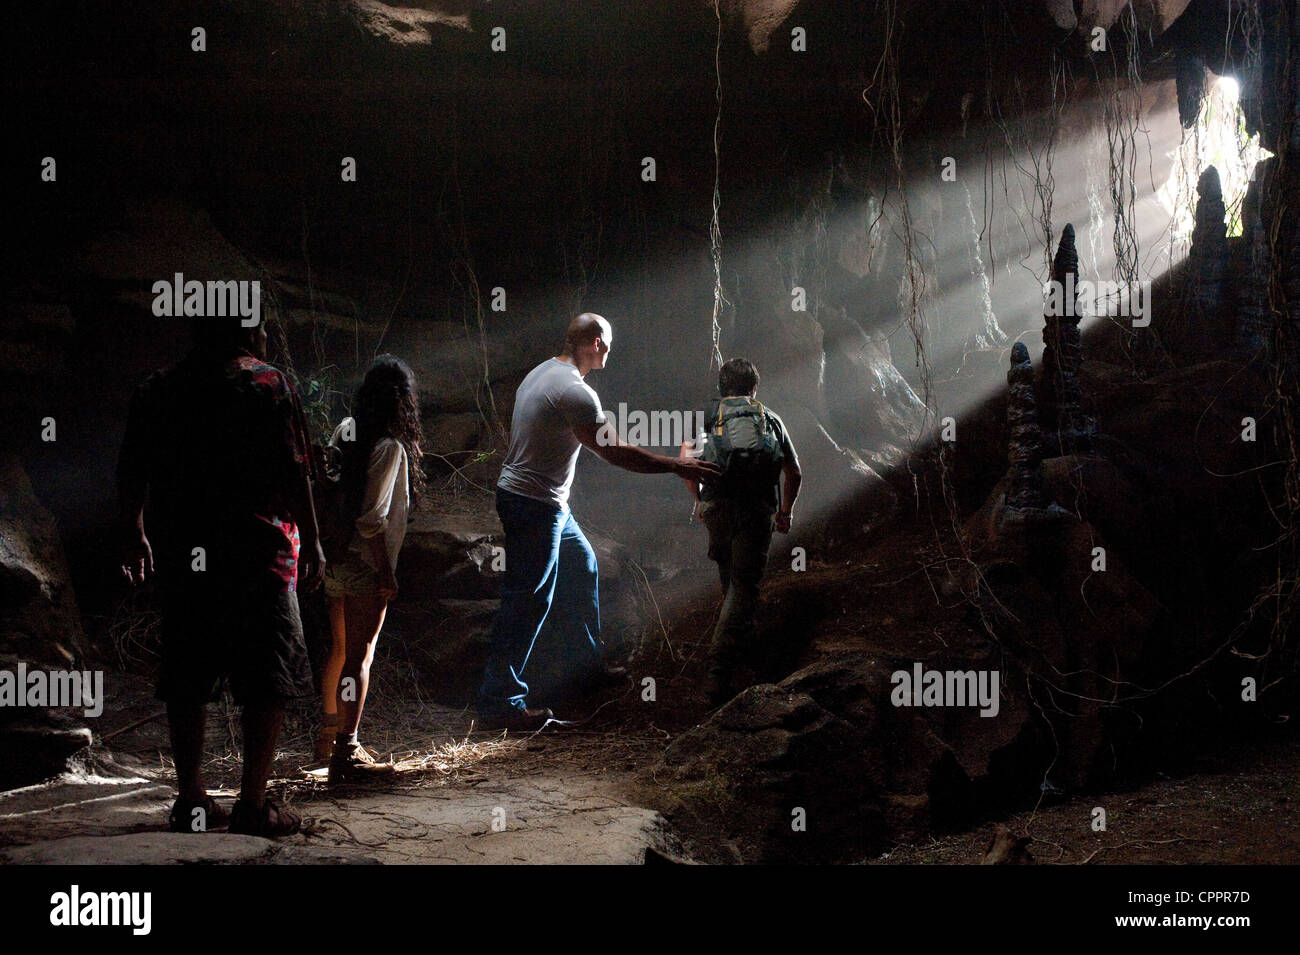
(351, 761)
(607, 678)
(270, 820)
(184, 818)
(517, 719)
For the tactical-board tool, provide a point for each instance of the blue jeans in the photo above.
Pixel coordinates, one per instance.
(548, 560)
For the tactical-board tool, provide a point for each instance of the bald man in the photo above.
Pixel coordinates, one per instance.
(549, 563)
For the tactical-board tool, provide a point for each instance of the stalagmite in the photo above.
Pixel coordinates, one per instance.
(1067, 429)
(1024, 438)
(1207, 260)
(1023, 523)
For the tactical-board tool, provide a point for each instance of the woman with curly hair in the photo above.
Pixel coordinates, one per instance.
(380, 451)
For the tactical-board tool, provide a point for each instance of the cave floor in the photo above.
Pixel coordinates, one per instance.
(572, 794)
(461, 796)
(581, 791)
(1240, 808)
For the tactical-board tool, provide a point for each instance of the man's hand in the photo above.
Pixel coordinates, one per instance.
(388, 587)
(693, 469)
(311, 566)
(782, 522)
(137, 555)
(687, 450)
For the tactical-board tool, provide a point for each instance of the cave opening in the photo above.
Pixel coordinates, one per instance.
(744, 390)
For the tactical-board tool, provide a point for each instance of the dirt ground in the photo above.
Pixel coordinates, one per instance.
(1244, 810)
(462, 796)
(580, 791)
(568, 795)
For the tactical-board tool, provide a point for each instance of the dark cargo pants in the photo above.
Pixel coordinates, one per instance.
(739, 536)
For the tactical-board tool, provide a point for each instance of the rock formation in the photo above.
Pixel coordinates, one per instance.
(1024, 438)
(1189, 78)
(40, 628)
(1020, 520)
(1068, 429)
(1208, 258)
(1250, 268)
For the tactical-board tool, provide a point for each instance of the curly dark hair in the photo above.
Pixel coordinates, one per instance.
(737, 376)
(386, 406)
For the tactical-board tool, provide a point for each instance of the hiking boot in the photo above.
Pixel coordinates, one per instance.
(515, 718)
(183, 818)
(606, 678)
(270, 821)
(351, 761)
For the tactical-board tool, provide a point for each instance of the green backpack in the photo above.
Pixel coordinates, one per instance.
(743, 441)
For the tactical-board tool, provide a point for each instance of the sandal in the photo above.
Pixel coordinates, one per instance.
(270, 821)
(189, 816)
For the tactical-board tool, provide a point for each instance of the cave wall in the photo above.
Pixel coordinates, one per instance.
(521, 169)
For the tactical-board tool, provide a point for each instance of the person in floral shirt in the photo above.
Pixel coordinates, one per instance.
(217, 447)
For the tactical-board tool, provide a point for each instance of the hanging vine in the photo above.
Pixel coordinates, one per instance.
(715, 227)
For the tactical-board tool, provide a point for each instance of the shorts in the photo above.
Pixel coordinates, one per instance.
(351, 577)
(248, 634)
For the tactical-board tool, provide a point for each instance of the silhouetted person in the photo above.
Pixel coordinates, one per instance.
(742, 508)
(382, 479)
(219, 446)
(548, 558)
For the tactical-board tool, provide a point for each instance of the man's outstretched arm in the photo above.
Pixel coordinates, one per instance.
(603, 440)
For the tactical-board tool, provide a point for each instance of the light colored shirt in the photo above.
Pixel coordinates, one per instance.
(543, 452)
(386, 502)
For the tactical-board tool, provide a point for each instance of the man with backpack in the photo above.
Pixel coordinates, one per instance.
(742, 507)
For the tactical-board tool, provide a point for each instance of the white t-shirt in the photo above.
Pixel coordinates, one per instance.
(387, 499)
(543, 452)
